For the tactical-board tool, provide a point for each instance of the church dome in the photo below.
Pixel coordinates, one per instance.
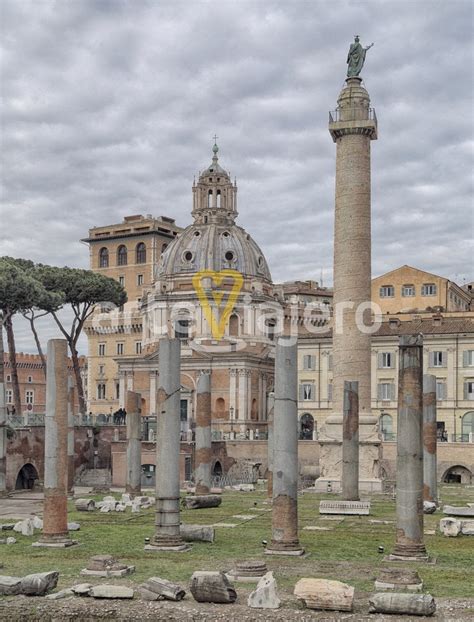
(214, 247)
(214, 241)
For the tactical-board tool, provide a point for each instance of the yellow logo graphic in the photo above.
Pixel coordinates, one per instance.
(218, 323)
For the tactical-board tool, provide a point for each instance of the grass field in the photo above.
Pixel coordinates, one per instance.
(347, 551)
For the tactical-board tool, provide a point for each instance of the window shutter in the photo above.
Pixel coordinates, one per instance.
(392, 392)
(301, 392)
(444, 391)
(465, 390)
(392, 360)
(312, 391)
(444, 359)
(379, 391)
(431, 359)
(465, 358)
(312, 361)
(380, 360)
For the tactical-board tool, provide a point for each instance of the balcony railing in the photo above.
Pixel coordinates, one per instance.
(352, 114)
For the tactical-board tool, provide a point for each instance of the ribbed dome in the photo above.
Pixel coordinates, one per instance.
(214, 247)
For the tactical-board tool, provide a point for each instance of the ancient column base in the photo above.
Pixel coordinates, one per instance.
(55, 542)
(285, 548)
(167, 543)
(409, 553)
(327, 484)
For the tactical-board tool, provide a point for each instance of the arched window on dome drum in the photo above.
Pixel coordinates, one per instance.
(218, 198)
(164, 247)
(209, 198)
(234, 325)
(104, 258)
(140, 253)
(122, 255)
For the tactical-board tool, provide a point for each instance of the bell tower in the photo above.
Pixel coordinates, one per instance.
(214, 195)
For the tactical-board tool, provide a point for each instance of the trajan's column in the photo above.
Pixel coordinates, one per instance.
(353, 125)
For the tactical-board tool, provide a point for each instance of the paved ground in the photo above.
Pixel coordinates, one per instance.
(21, 505)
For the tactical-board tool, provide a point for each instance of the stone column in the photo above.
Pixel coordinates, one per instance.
(122, 389)
(152, 401)
(55, 530)
(71, 470)
(350, 442)
(352, 126)
(270, 408)
(285, 453)
(203, 435)
(409, 542)
(134, 443)
(430, 481)
(167, 534)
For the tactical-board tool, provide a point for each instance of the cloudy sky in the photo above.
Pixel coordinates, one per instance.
(109, 108)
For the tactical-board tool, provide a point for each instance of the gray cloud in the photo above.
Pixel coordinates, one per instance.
(108, 108)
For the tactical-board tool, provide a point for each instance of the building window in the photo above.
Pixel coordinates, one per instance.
(122, 255)
(9, 378)
(101, 370)
(120, 348)
(387, 291)
(468, 358)
(469, 390)
(139, 279)
(330, 360)
(121, 281)
(101, 391)
(386, 391)
(440, 390)
(140, 253)
(386, 360)
(30, 379)
(330, 392)
(181, 328)
(138, 347)
(309, 361)
(117, 390)
(103, 258)
(234, 325)
(428, 289)
(437, 359)
(29, 397)
(9, 396)
(307, 392)
(386, 427)
(467, 426)
(408, 290)
(101, 349)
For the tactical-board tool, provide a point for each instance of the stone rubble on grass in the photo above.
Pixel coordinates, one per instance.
(212, 587)
(111, 591)
(265, 594)
(120, 507)
(458, 511)
(73, 526)
(66, 593)
(37, 522)
(197, 533)
(106, 566)
(467, 527)
(37, 584)
(7, 526)
(429, 507)
(85, 505)
(126, 499)
(156, 588)
(404, 604)
(136, 506)
(11, 540)
(82, 589)
(25, 527)
(325, 594)
(450, 526)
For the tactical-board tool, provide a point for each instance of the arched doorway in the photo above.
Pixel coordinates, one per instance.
(148, 475)
(26, 477)
(217, 469)
(467, 426)
(306, 427)
(457, 474)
